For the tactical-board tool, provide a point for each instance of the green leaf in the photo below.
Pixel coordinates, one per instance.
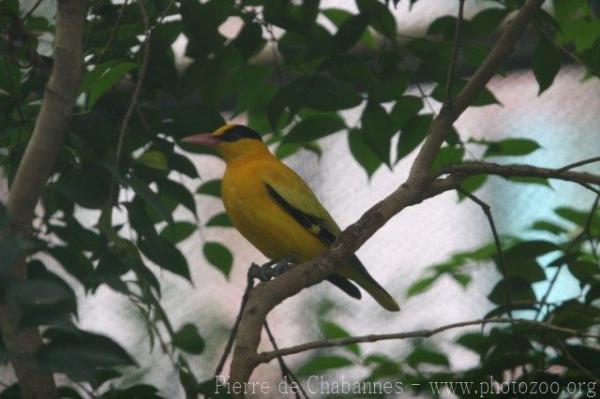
(447, 156)
(350, 31)
(390, 89)
(219, 256)
(107, 79)
(585, 271)
(471, 184)
(331, 330)
(543, 225)
(405, 108)
(529, 250)
(420, 286)
(177, 192)
(380, 17)
(318, 365)
(574, 216)
(520, 291)
(178, 231)
(511, 147)
(163, 253)
(154, 159)
(149, 196)
(210, 187)
(545, 63)
(362, 152)
(219, 220)
(314, 127)
(377, 130)
(413, 133)
(86, 187)
(80, 354)
(526, 269)
(188, 339)
(422, 355)
(74, 262)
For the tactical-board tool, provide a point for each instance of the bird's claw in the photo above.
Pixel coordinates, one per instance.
(282, 266)
(270, 270)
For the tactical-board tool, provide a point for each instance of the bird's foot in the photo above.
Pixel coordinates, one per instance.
(270, 269)
(282, 266)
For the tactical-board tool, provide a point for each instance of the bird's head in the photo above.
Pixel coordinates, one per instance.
(230, 141)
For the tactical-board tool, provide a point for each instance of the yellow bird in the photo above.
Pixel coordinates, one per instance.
(274, 209)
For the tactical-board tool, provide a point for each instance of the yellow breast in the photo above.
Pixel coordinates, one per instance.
(259, 218)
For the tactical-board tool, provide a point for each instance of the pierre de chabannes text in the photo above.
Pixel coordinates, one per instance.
(320, 385)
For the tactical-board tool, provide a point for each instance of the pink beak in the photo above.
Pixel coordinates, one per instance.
(205, 139)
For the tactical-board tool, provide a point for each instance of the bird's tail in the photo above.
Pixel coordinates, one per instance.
(357, 273)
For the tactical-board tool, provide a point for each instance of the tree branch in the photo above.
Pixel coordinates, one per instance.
(269, 294)
(513, 170)
(266, 357)
(30, 182)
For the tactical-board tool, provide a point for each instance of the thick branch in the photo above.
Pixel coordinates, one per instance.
(267, 295)
(265, 357)
(30, 182)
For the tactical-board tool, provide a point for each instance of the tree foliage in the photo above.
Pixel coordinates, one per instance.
(328, 60)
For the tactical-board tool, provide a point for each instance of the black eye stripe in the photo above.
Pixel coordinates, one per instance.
(239, 132)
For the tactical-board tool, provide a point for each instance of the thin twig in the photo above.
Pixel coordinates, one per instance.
(113, 32)
(265, 357)
(32, 10)
(568, 250)
(488, 214)
(576, 363)
(236, 325)
(512, 170)
(286, 372)
(113, 189)
(485, 207)
(455, 49)
(578, 164)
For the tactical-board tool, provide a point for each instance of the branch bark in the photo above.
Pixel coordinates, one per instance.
(268, 295)
(515, 170)
(266, 357)
(30, 181)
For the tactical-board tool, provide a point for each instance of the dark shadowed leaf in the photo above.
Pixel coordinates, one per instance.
(162, 252)
(331, 330)
(210, 187)
(150, 197)
(447, 156)
(350, 31)
(413, 133)
(471, 184)
(422, 355)
(219, 220)
(511, 147)
(520, 290)
(362, 152)
(377, 130)
(218, 256)
(545, 63)
(178, 231)
(321, 364)
(314, 127)
(80, 354)
(188, 339)
(544, 225)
